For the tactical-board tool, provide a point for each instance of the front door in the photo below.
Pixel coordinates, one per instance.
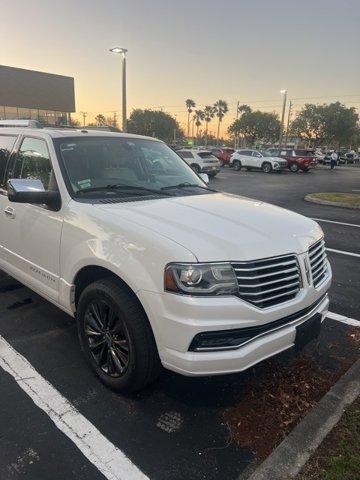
(31, 233)
(7, 143)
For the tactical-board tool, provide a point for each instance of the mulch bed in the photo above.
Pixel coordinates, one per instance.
(277, 396)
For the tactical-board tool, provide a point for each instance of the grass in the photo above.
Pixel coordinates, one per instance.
(352, 199)
(338, 458)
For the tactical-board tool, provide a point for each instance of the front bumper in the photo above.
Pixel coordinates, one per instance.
(280, 167)
(177, 319)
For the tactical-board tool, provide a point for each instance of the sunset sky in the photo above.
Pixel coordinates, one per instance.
(231, 49)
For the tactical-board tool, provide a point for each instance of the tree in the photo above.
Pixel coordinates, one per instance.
(208, 116)
(190, 104)
(333, 124)
(221, 108)
(309, 123)
(100, 120)
(256, 126)
(73, 122)
(154, 123)
(340, 124)
(198, 117)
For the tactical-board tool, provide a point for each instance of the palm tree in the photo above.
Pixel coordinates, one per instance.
(208, 115)
(198, 117)
(190, 104)
(221, 108)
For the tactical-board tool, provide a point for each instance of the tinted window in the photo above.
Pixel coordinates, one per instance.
(186, 154)
(6, 144)
(256, 154)
(205, 155)
(33, 162)
(245, 152)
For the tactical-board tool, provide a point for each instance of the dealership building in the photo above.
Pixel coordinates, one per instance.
(27, 94)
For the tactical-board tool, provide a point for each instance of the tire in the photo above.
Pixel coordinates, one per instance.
(266, 167)
(237, 165)
(294, 167)
(121, 349)
(222, 164)
(196, 168)
(306, 169)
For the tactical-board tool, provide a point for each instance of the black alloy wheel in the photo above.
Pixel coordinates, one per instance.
(107, 338)
(116, 336)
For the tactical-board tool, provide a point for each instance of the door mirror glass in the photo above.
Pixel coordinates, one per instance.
(24, 190)
(204, 177)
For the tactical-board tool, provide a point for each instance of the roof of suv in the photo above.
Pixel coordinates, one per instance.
(69, 132)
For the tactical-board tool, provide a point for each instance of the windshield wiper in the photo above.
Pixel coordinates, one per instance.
(119, 186)
(186, 185)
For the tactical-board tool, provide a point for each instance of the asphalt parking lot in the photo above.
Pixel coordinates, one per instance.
(175, 429)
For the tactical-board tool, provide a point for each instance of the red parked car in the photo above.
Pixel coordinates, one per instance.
(222, 154)
(298, 159)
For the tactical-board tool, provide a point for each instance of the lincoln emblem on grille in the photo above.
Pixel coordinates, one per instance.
(307, 269)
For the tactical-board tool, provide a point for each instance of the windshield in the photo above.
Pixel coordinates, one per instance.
(97, 164)
(266, 153)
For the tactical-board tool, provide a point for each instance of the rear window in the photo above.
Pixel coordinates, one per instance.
(229, 150)
(186, 154)
(6, 145)
(205, 155)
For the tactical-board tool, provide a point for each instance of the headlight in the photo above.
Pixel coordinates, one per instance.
(276, 164)
(201, 279)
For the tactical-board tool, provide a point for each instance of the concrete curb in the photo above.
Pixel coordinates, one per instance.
(291, 455)
(310, 198)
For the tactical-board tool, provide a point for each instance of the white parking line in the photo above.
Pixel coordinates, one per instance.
(338, 223)
(343, 252)
(343, 319)
(106, 457)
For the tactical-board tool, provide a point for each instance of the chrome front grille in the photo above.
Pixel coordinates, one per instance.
(269, 281)
(318, 262)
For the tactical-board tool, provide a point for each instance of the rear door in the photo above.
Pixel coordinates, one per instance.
(31, 233)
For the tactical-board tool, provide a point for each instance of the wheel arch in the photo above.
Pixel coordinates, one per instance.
(90, 274)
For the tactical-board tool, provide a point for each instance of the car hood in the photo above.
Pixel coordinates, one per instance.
(216, 227)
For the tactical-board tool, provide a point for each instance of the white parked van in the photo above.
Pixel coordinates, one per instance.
(156, 267)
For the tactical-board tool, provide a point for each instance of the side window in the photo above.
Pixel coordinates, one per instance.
(248, 153)
(33, 162)
(256, 154)
(6, 145)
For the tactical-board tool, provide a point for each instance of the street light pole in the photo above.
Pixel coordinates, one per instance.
(283, 92)
(122, 51)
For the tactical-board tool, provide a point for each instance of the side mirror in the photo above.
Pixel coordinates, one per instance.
(204, 177)
(32, 191)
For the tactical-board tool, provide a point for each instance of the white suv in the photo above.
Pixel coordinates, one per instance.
(157, 268)
(257, 160)
(201, 161)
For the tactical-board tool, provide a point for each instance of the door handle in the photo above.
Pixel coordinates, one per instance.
(9, 212)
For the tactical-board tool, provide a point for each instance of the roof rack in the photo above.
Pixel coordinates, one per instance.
(20, 123)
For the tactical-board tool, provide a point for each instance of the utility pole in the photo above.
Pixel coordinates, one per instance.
(236, 141)
(284, 92)
(84, 115)
(288, 123)
(114, 119)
